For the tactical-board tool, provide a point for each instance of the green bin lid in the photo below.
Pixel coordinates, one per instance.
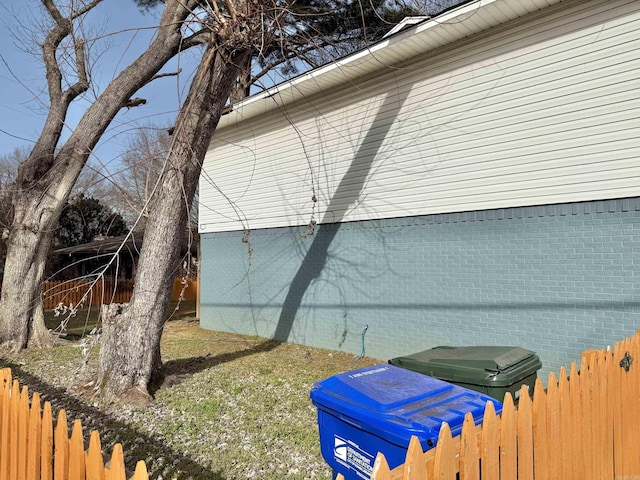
(479, 365)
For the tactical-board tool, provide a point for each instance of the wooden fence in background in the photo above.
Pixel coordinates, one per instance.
(103, 292)
(586, 425)
(86, 292)
(30, 448)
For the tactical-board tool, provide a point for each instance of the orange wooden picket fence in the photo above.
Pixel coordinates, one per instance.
(86, 292)
(585, 425)
(103, 292)
(31, 449)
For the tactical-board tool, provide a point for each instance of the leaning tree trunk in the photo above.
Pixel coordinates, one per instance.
(130, 345)
(46, 178)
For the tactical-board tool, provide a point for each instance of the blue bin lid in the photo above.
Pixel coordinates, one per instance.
(394, 403)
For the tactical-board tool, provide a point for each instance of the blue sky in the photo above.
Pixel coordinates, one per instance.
(124, 31)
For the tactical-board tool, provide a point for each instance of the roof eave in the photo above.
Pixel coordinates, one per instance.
(451, 26)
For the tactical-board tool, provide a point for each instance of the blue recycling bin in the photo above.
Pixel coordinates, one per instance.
(379, 408)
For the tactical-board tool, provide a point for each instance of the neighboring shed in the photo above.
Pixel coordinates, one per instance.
(475, 179)
(77, 265)
(89, 258)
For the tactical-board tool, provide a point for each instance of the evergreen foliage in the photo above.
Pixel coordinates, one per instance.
(84, 219)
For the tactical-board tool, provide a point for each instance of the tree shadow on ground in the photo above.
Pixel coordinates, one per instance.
(162, 461)
(174, 371)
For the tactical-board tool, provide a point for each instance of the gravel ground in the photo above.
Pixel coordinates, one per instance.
(231, 407)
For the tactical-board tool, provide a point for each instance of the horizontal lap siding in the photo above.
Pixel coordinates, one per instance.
(545, 111)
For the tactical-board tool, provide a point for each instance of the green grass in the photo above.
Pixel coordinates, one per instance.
(86, 318)
(231, 406)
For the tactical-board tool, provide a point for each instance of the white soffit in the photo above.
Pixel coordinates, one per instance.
(451, 26)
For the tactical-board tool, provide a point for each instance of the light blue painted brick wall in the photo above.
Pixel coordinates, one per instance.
(555, 279)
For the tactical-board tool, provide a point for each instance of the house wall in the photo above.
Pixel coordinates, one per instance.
(555, 279)
(487, 193)
(542, 110)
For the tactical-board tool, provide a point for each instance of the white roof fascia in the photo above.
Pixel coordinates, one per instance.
(406, 22)
(483, 14)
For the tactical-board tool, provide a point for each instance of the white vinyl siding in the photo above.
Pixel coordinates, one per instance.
(546, 110)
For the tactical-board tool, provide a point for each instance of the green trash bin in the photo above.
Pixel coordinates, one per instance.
(491, 370)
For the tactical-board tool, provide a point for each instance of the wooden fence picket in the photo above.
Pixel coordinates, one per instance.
(76, 453)
(443, 466)
(554, 429)
(414, 464)
(23, 433)
(5, 431)
(469, 454)
(575, 399)
(611, 395)
(626, 393)
(35, 441)
(490, 444)
(141, 471)
(116, 465)
(623, 430)
(508, 440)
(381, 469)
(525, 436)
(61, 447)
(46, 450)
(94, 461)
(565, 425)
(14, 405)
(539, 423)
(605, 415)
(633, 380)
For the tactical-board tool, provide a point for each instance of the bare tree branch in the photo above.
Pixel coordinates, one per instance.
(168, 74)
(54, 12)
(201, 37)
(82, 85)
(81, 11)
(51, 43)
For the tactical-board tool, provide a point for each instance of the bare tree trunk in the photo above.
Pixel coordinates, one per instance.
(22, 290)
(130, 347)
(46, 178)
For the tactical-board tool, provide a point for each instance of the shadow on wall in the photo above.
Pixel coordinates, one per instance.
(348, 192)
